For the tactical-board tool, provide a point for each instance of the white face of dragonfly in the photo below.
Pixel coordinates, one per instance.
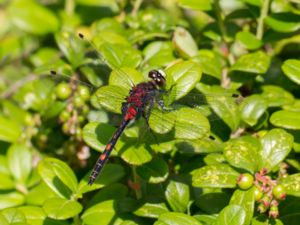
(158, 77)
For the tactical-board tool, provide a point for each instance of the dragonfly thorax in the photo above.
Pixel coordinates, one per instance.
(157, 77)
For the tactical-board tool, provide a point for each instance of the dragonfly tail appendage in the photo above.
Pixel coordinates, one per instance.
(108, 149)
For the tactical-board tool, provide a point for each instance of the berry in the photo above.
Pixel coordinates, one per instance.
(278, 192)
(64, 116)
(84, 92)
(63, 91)
(274, 213)
(78, 101)
(257, 194)
(245, 181)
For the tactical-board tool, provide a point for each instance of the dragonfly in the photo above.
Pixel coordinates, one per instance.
(140, 102)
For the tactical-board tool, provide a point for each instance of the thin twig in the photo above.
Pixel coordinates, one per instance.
(263, 15)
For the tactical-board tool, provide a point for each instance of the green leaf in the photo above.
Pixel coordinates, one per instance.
(218, 175)
(72, 47)
(60, 209)
(184, 43)
(110, 97)
(113, 191)
(291, 184)
(248, 40)
(158, 53)
(14, 216)
(178, 196)
(276, 96)
(246, 199)
(252, 108)
(286, 119)
(243, 153)
(182, 78)
(116, 55)
(34, 215)
(276, 145)
(10, 130)
(125, 77)
(111, 173)
(97, 135)
(291, 69)
(210, 63)
(151, 210)
(191, 124)
(174, 218)
(135, 154)
(6, 182)
(283, 22)
(103, 211)
(11, 199)
(224, 106)
(212, 201)
(32, 17)
(232, 215)
(39, 194)
(3, 220)
(58, 176)
(155, 171)
(257, 63)
(204, 5)
(19, 162)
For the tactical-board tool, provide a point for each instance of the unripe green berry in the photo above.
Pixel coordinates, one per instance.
(63, 91)
(245, 181)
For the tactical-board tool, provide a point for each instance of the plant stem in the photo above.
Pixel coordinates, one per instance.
(220, 20)
(69, 7)
(137, 191)
(136, 6)
(263, 14)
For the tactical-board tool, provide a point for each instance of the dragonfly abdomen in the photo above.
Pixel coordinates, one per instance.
(108, 149)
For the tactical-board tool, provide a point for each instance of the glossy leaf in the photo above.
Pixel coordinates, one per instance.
(182, 78)
(283, 22)
(252, 108)
(291, 184)
(111, 173)
(33, 18)
(58, 176)
(184, 43)
(59, 208)
(210, 63)
(104, 212)
(276, 145)
(232, 215)
(6, 182)
(19, 162)
(248, 40)
(14, 216)
(155, 171)
(243, 153)
(218, 175)
(291, 69)
(11, 199)
(191, 124)
(286, 119)
(257, 63)
(34, 215)
(9, 130)
(276, 96)
(246, 199)
(116, 55)
(178, 196)
(151, 210)
(97, 135)
(135, 154)
(174, 218)
(196, 4)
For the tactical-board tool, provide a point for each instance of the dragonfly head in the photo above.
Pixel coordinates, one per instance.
(158, 77)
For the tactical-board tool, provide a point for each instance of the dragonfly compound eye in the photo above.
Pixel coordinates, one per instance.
(157, 76)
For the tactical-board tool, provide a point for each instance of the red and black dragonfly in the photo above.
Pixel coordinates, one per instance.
(140, 97)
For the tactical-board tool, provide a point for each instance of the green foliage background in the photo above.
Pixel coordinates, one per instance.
(48, 144)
